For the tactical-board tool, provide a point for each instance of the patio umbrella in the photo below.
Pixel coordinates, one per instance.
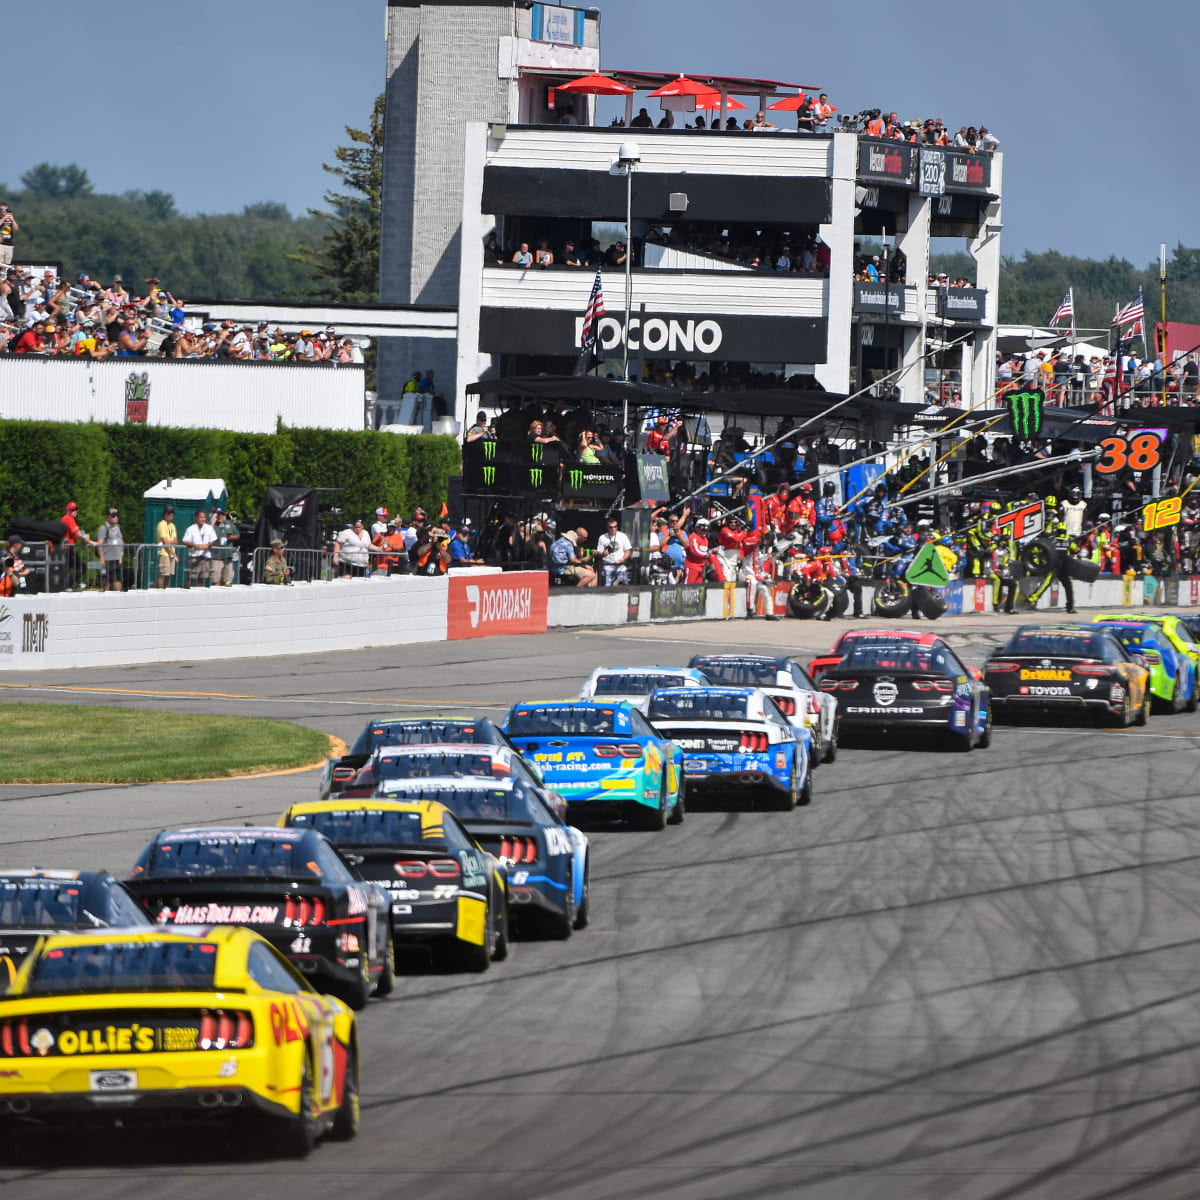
(714, 101)
(595, 85)
(790, 103)
(683, 86)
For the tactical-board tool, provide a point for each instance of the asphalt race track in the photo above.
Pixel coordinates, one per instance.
(955, 976)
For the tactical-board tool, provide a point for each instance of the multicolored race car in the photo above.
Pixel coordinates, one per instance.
(1080, 668)
(1178, 631)
(1172, 673)
(122, 1026)
(736, 739)
(35, 903)
(605, 759)
(525, 829)
(446, 892)
(291, 885)
(890, 681)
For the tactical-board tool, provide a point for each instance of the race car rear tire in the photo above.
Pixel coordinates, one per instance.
(349, 1114)
(1143, 713)
(357, 993)
(296, 1136)
(786, 801)
(805, 603)
(831, 746)
(654, 819)
(1120, 720)
(1193, 701)
(583, 914)
(500, 948)
(891, 600)
(985, 738)
(385, 985)
(806, 792)
(469, 957)
(1082, 570)
(680, 810)
(839, 602)
(932, 604)
(1041, 557)
(560, 925)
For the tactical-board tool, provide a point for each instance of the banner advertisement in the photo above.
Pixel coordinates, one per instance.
(889, 161)
(487, 605)
(683, 600)
(962, 304)
(879, 298)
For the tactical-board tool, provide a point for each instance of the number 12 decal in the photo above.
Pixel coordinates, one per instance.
(1163, 514)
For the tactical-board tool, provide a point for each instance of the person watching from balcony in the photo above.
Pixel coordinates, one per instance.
(522, 258)
(545, 256)
(493, 254)
(822, 110)
(873, 127)
(642, 121)
(585, 449)
(986, 141)
(570, 256)
(482, 430)
(760, 122)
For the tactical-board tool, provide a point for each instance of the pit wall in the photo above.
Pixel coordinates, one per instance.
(94, 629)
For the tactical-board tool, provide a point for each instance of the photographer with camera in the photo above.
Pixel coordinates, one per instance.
(8, 227)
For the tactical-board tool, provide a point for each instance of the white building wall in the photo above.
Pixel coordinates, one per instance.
(838, 235)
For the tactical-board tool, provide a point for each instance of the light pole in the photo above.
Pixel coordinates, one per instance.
(628, 158)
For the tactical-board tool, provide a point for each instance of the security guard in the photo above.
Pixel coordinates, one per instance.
(225, 548)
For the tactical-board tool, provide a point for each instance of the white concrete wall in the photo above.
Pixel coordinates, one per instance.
(188, 394)
(83, 629)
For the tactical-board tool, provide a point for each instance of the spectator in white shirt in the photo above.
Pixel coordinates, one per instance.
(198, 538)
(615, 550)
(986, 141)
(351, 551)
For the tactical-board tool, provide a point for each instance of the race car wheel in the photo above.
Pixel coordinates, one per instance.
(1082, 570)
(807, 601)
(345, 1124)
(583, 914)
(500, 941)
(891, 600)
(477, 958)
(806, 792)
(1040, 556)
(985, 738)
(559, 925)
(679, 811)
(838, 603)
(1193, 701)
(655, 819)
(831, 747)
(1143, 713)
(356, 994)
(1177, 701)
(1121, 719)
(297, 1135)
(786, 801)
(932, 604)
(385, 985)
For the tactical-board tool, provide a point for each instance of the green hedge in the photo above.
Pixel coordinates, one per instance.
(44, 464)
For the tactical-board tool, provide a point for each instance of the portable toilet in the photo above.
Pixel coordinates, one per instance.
(185, 496)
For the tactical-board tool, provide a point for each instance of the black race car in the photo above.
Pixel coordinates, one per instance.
(527, 831)
(1069, 668)
(290, 885)
(34, 903)
(887, 681)
(342, 773)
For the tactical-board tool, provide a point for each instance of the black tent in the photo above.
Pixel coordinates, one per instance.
(291, 512)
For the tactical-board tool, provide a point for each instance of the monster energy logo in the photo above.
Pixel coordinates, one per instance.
(489, 476)
(535, 477)
(489, 449)
(1025, 412)
(535, 451)
(576, 480)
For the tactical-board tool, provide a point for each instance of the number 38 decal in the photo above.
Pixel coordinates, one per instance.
(1138, 453)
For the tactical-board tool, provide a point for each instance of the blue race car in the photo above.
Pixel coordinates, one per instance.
(525, 828)
(606, 759)
(1172, 673)
(736, 738)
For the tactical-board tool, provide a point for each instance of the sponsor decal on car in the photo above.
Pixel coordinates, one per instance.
(886, 692)
(1062, 676)
(219, 914)
(1036, 690)
(915, 712)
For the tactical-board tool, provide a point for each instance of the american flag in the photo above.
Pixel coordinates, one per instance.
(592, 315)
(1065, 309)
(1133, 311)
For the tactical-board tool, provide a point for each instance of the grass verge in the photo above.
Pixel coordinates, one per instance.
(84, 743)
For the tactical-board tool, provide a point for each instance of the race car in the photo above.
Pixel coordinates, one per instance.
(35, 903)
(736, 739)
(605, 759)
(204, 1024)
(788, 684)
(290, 885)
(526, 830)
(436, 761)
(1069, 668)
(1178, 632)
(1172, 673)
(823, 662)
(886, 681)
(420, 731)
(634, 684)
(446, 893)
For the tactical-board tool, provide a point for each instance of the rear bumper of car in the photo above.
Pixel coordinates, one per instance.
(889, 719)
(542, 894)
(150, 1106)
(620, 792)
(1066, 703)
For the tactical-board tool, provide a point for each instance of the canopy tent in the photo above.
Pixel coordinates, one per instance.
(595, 85)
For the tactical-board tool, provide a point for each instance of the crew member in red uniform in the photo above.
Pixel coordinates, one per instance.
(758, 570)
(658, 440)
(801, 512)
(74, 533)
(775, 507)
(696, 552)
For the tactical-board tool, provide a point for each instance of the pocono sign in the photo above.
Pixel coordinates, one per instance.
(659, 333)
(486, 605)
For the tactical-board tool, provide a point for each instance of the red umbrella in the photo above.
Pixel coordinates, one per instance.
(595, 85)
(790, 103)
(714, 101)
(683, 87)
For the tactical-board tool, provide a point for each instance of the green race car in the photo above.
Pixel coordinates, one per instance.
(1172, 672)
(1178, 634)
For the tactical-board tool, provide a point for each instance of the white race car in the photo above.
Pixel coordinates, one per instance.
(788, 684)
(634, 684)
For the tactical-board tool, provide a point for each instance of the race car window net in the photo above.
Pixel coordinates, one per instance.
(271, 858)
(1057, 645)
(125, 967)
(434, 766)
(415, 733)
(40, 904)
(367, 828)
(566, 719)
(703, 706)
(741, 674)
(629, 684)
(898, 656)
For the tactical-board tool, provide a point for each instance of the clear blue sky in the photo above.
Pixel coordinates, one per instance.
(228, 103)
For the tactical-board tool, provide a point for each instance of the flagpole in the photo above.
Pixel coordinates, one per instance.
(1162, 338)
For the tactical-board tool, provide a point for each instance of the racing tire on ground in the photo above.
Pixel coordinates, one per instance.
(806, 792)
(654, 819)
(583, 914)
(386, 983)
(786, 801)
(1041, 556)
(839, 601)
(680, 809)
(831, 746)
(357, 993)
(931, 603)
(500, 941)
(805, 603)
(1122, 719)
(560, 925)
(891, 600)
(1193, 701)
(296, 1136)
(349, 1114)
(985, 738)
(1082, 570)
(1143, 713)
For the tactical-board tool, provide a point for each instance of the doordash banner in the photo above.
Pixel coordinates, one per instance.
(486, 605)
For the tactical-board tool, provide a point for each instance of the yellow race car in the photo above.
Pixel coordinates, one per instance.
(132, 1025)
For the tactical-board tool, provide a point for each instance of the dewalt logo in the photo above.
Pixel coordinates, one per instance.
(1025, 412)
